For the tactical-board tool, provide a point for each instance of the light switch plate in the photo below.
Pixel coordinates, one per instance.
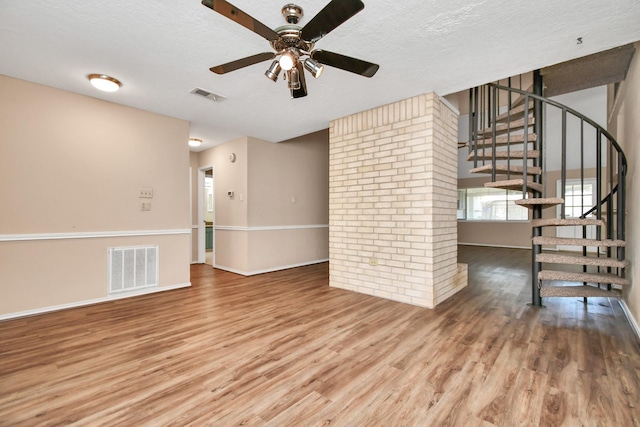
(145, 193)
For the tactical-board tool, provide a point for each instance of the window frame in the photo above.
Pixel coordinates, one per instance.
(463, 205)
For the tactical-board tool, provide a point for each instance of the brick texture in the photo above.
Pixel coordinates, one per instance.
(392, 202)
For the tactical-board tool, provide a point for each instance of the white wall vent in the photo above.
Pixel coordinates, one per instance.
(132, 268)
(209, 95)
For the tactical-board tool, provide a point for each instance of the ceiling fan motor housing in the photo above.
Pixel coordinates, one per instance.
(289, 37)
(292, 13)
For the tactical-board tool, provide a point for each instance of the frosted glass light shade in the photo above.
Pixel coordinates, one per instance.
(104, 83)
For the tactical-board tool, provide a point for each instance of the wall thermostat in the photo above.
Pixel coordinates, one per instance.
(232, 157)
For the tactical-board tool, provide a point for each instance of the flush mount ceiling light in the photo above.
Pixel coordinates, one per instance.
(195, 142)
(104, 83)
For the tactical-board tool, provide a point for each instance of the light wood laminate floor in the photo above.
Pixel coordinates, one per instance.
(285, 349)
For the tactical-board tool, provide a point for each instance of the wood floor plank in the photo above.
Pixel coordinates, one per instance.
(284, 348)
(554, 408)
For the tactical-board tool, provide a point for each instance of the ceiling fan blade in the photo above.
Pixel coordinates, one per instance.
(347, 63)
(329, 18)
(299, 93)
(241, 63)
(235, 14)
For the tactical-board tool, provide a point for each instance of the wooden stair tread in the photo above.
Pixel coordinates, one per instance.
(506, 140)
(568, 276)
(516, 112)
(559, 222)
(544, 202)
(543, 240)
(507, 169)
(486, 154)
(562, 258)
(515, 184)
(577, 291)
(508, 127)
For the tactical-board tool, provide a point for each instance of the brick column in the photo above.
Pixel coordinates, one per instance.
(392, 202)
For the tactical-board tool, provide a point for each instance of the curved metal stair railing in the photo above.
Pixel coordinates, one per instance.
(509, 138)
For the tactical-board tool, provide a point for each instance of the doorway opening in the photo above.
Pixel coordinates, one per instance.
(206, 216)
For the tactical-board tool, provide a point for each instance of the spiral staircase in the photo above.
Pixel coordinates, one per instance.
(507, 142)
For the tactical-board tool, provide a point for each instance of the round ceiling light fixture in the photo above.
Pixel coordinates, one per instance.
(104, 83)
(195, 142)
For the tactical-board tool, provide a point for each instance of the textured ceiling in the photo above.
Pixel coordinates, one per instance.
(162, 49)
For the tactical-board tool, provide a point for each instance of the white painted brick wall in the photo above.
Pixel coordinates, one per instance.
(392, 207)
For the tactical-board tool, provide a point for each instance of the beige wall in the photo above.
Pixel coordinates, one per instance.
(37, 275)
(286, 248)
(289, 181)
(232, 250)
(278, 217)
(229, 176)
(73, 165)
(626, 127)
(392, 202)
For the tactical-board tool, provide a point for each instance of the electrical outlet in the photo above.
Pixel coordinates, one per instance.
(373, 262)
(145, 205)
(145, 193)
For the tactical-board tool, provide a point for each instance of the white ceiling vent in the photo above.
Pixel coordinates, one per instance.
(209, 95)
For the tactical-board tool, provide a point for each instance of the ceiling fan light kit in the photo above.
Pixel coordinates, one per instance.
(294, 44)
(294, 79)
(273, 71)
(314, 67)
(288, 59)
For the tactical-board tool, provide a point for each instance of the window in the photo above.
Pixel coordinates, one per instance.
(462, 203)
(490, 204)
(578, 198)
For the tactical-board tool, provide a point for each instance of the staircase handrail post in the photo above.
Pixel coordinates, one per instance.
(621, 205)
(536, 266)
(494, 132)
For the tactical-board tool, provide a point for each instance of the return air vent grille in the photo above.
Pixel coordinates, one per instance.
(209, 95)
(132, 268)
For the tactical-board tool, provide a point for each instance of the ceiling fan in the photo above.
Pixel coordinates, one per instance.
(294, 45)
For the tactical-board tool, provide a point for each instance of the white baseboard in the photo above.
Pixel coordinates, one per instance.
(630, 318)
(494, 246)
(268, 270)
(92, 301)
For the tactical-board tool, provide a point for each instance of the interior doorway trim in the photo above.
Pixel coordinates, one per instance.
(202, 206)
